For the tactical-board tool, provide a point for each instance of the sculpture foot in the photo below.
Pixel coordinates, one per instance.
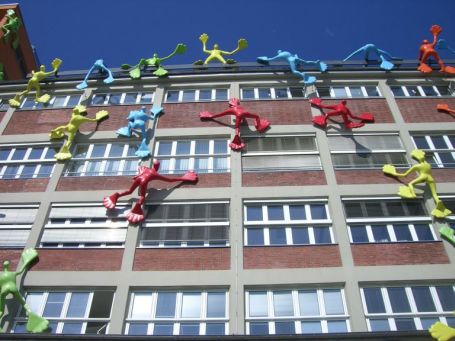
(135, 73)
(320, 121)
(367, 117)
(142, 150)
(441, 332)
(315, 101)
(14, 103)
(308, 80)
(386, 65)
(160, 72)
(237, 143)
(424, 68)
(205, 115)
(448, 234)
(198, 62)
(100, 115)
(230, 61)
(124, 131)
(353, 125)
(63, 154)
(108, 80)
(110, 201)
(136, 214)
(322, 66)
(389, 170)
(43, 99)
(262, 125)
(405, 192)
(56, 134)
(440, 211)
(262, 60)
(36, 323)
(82, 85)
(449, 69)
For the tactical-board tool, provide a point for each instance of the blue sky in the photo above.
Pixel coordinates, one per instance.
(81, 31)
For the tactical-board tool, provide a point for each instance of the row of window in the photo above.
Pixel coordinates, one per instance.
(267, 311)
(206, 224)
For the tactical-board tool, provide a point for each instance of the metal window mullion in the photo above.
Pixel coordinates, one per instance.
(196, 95)
(436, 300)
(213, 95)
(411, 300)
(266, 232)
(288, 231)
(256, 93)
(386, 300)
(420, 90)
(405, 91)
(272, 93)
(391, 232)
(413, 232)
(364, 91)
(348, 91)
(180, 98)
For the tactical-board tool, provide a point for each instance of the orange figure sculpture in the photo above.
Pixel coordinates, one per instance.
(445, 108)
(427, 50)
(342, 110)
(241, 115)
(141, 180)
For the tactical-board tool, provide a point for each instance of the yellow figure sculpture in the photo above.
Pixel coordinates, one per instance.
(216, 53)
(77, 118)
(441, 331)
(33, 84)
(423, 168)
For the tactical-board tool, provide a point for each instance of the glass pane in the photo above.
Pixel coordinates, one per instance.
(72, 328)
(421, 142)
(311, 327)
(300, 235)
(98, 150)
(220, 164)
(339, 92)
(221, 94)
(216, 304)
(54, 304)
(423, 299)
(429, 91)
(59, 101)
(333, 302)
(147, 98)
(36, 153)
(287, 327)
(215, 329)
(398, 300)
(94, 167)
(202, 147)
(372, 91)
(81, 151)
(282, 303)
(277, 236)
(78, 304)
(380, 233)
(413, 91)
(101, 304)
(402, 232)
(201, 164)
(165, 306)
(275, 212)
(254, 213)
(281, 92)
(28, 171)
(191, 305)
(205, 94)
(142, 306)
(137, 329)
(405, 324)
(19, 154)
(259, 328)
(98, 99)
(247, 93)
(20, 327)
(189, 329)
(264, 93)
(308, 302)
(373, 300)
(164, 148)
(446, 297)
(427, 322)
(220, 147)
(130, 98)
(359, 234)
(73, 101)
(116, 150)
(318, 211)
(4, 153)
(183, 147)
(322, 235)
(255, 236)
(356, 91)
(10, 172)
(337, 326)
(451, 321)
(423, 232)
(114, 99)
(379, 325)
(172, 96)
(439, 142)
(163, 329)
(298, 93)
(188, 95)
(258, 304)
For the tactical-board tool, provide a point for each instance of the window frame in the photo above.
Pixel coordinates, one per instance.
(123, 94)
(13, 225)
(433, 151)
(197, 92)
(406, 93)
(347, 90)
(50, 104)
(273, 92)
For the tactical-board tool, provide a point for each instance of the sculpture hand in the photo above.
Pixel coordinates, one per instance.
(436, 29)
(28, 256)
(190, 176)
(316, 101)
(101, 115)
(203, 38)
(205, 114)
(181, 48)
(442, 107)
(56, 63)
(441, 332)
(242, 44)
(389, 170)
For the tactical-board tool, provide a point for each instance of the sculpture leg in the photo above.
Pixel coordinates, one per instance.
(2, 305)
(423, 67)
(142, 150)
(64, 153)
(136, 214)
(260, 124)
(237, 143)
(110, 201)
(440, 211)
(349, 124)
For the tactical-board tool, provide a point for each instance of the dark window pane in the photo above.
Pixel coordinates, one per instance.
(423, 232)
(215, 329)
(446, 297)
(247, 93)
(255, 236)
(322, 235)
(439, 142)
(73, 101)
(264, 93)
(72, 328)
(130, 98)
(318, 211)
(54, 304)
(423, 299)
(165, 307)
(19, 154)
(405, 324)
(413, 91)
(137, 329)
(163, 329)
(356, 91)
(380, 233)
(172, 96)
(287, 327)
(275, 212)
(373, 300)
(311, 327)
(353, 209)
(397, 90)
(359, 234)
(183, 147)
(281, 93)
(399, 300)
(216, 302)
(337, 326)
(395, 209)
(297, 212)
(323, 91)
(421, 142)
(379, 325)
(114, 99)
(374, 209)
(372, 91)
(300, 235)
(402, 232)
(205, 94)
(221, 94)
(98, 99)
(99, 328)
(36, 153)
(189, 329)
(254, 213)
(188, 95)
(101, 304)
(277, 236)
(78, 304)
(259, 328)
(429, 91)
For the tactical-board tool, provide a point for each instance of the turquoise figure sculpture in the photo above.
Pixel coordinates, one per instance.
(294, 61)
(155, 61)
(97, 66)
(12, 25)
(442, 44)
(137, 119)
(35, 323)
(369, 49)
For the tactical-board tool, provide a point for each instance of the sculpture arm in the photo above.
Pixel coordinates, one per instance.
(414, 168)
(354, 53)
(169, 179)
(180, 48)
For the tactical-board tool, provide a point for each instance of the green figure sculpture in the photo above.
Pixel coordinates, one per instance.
(216, 53)
(77, 118)
(2, 74)
(441, 332)
(423, 168)
(13, 23)
(33, 84)
(155, 61)
(35, 323)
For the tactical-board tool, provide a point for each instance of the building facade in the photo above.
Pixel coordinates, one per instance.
(301, 233)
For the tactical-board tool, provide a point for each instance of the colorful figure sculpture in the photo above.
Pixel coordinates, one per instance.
(423, 169)
(441, 332)
(97, 66)
(35, 323)
(12, 25)
(141, 180)
(2, 74)
(294, 61)
(33, 84)
(155, 62)
(368, 49)
(241, 115)
(77, 118)
(442, 44)
(427, 50)
(216, 53)
(342, 110)
(445, 108)
(137, 119)
(448, 234)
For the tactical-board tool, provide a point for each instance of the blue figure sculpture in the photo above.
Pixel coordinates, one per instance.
(295, 61)
(442, 44)
(137, 119)
(383, 55)
(98, 65)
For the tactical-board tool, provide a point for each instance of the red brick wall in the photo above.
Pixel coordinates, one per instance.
(250, 179)
(281, 112)
(79, 260)
(283, 257)
(366, 176)
(399, 254)
(13, 255)
(23, 185)
(43, 121)
(186, 115)
(443, 174)
(378, 107)
(417, 110)
(182, 259)
(2, 114)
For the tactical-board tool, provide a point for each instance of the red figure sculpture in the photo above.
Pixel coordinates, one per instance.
(445, 108)
(241, 115)
(340, 109)
(427, 50)
(141, 180)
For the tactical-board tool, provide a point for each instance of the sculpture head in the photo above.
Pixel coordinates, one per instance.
(6, 265)
(418, 155)
(80, 110)
(42, 68)
(156, 164)
(155, 55)
(425, 41)
(10, 13)
(344, 102)
(234, 102)
(216, 47)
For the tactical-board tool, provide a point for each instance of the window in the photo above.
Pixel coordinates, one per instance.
(99, 159)
(122, 98)
(204, 224)
(440, 149)
(296, 311)
(291, 223)
(411, 307)
(15, 224)
(420, 90)
(84, 226)
(26, 162)
(197, 95)
(280, 153)
(178, 313)
(58, 101)
(367, 151)
(387, 220)
(4, 105)
(248, 93)
(351, 91)
(200, 155)
(73, 312)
